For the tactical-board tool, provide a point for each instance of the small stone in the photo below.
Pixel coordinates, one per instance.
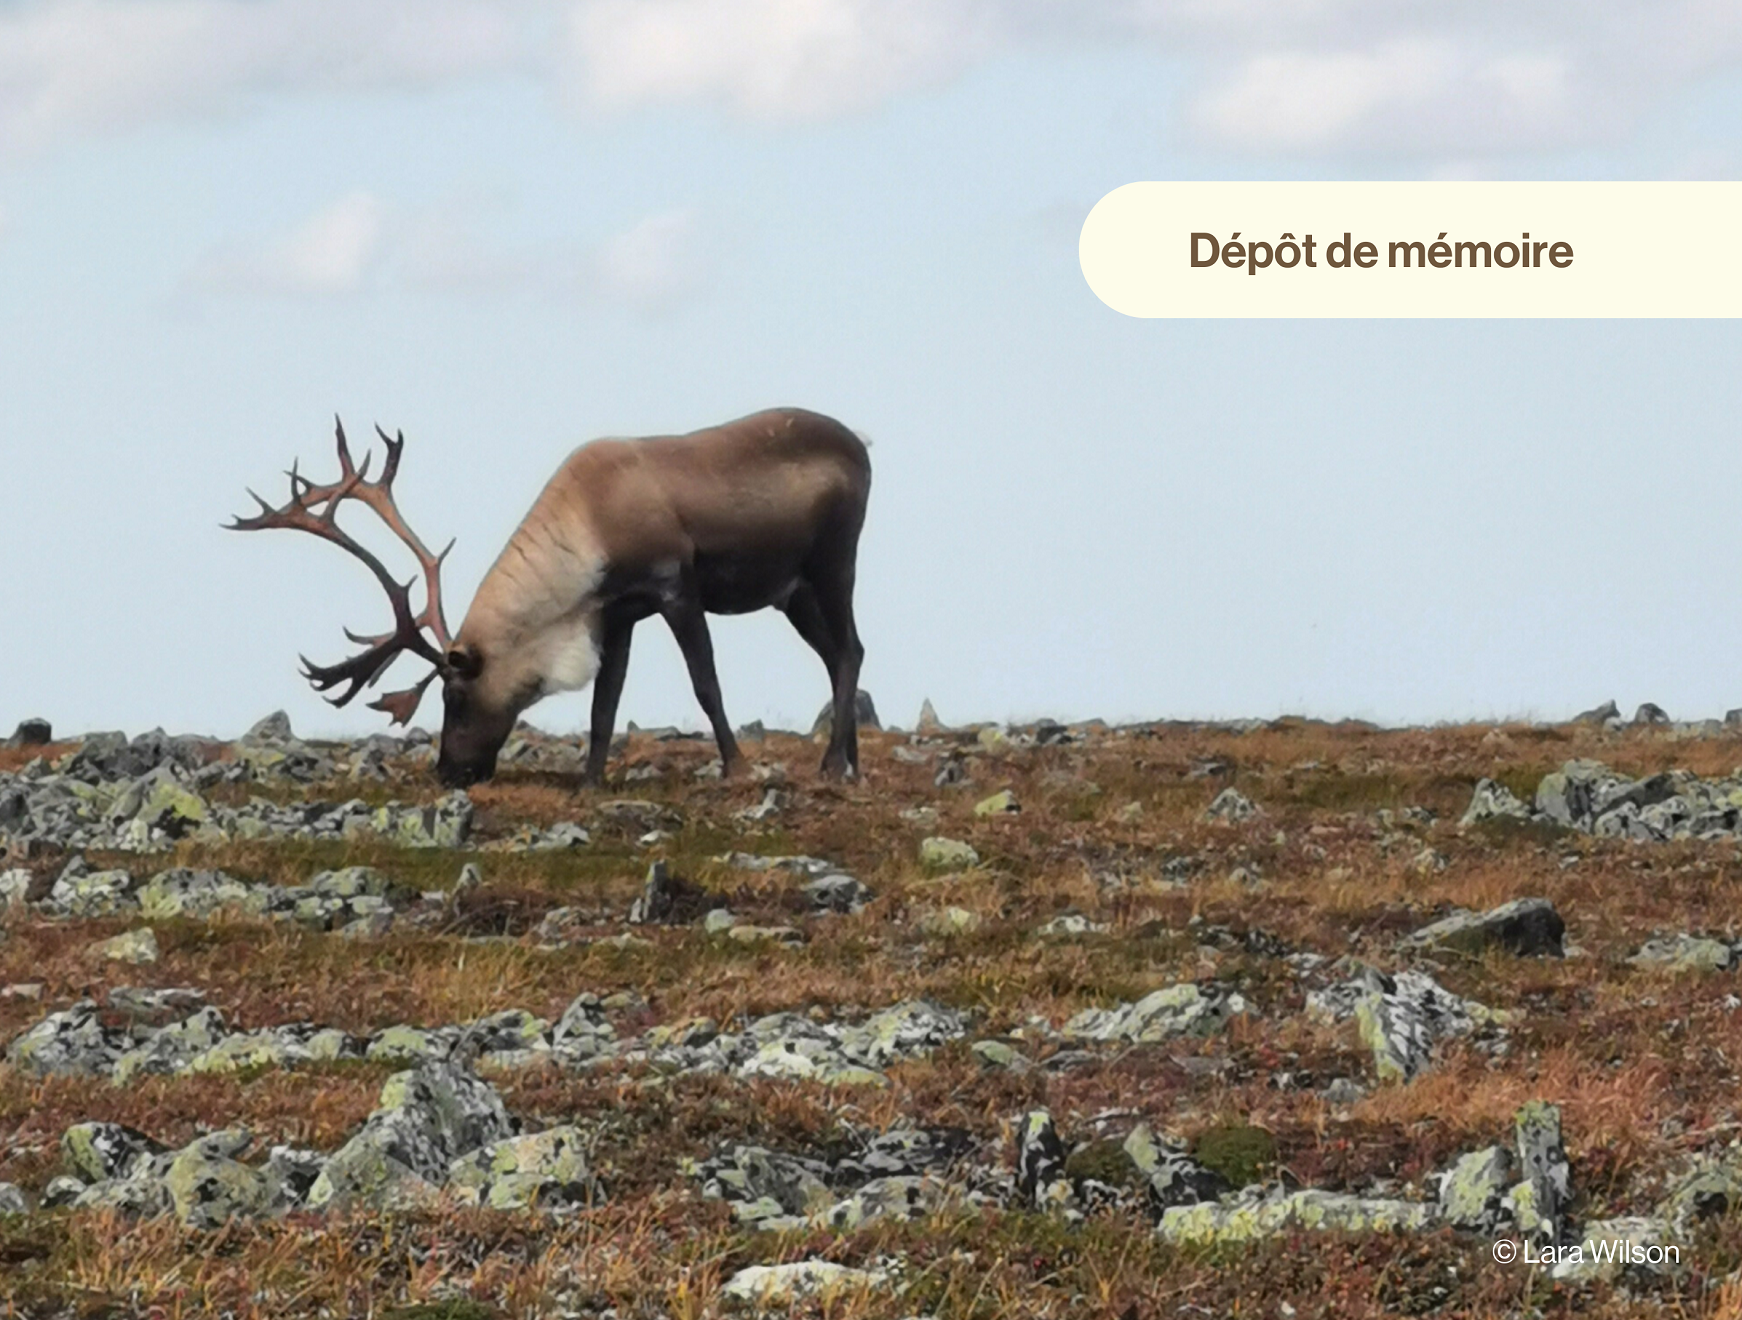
(944, 923)
(837, 893)
(938, 853)
(1231, 805)
(1040, 1162)
(780, 1285)
(717, 921)
(999, 804)
(1686, 953)
(1651, 714)
(928, 721)
(134, 946)
(1493, 801)
(658, 897)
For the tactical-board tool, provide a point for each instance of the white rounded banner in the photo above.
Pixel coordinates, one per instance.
(1444, 249)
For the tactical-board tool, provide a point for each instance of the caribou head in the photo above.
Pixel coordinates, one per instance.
(476, 719)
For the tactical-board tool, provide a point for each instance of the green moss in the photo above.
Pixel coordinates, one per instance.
(1103, 1161)
(1241, 1153)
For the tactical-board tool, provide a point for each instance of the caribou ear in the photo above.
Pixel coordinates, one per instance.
(463, 662)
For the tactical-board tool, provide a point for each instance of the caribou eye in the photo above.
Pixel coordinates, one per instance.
(464, 663)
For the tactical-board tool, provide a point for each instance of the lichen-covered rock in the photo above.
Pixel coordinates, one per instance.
(1231, 805)
(427, 1118)
(763, 1185)
(1244, 1219)
(446, 823)
(181, 892)
(779, 1285)
(1003, 803)
(1686, 953)
(1608, 1248)
(1494, 801)
(1707, 1193)
(1171, 1177)
(1526, 926)
(583, 1031)
(93, 893)
(274, 1047)
(132, 946)
(947, 922)
(1401, 1018)
(1177, 1010)
(837, 892)
(173, 1048)
(208, 1186)
(938, 853)
(74, 1042)
(1538, 1202)
(406, 1044)
(100, 1151)
(12, 1200)
(1473, 1189)
(542, 1168)
(1040, 1163)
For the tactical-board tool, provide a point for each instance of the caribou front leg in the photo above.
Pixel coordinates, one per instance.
(617, 632)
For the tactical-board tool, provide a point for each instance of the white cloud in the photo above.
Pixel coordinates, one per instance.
(653, 265)
(357, 245)
(74, 66)
(332, 253)
(775, 59)
(1434, 79)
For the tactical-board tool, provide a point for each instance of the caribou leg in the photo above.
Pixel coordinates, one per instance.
(689, 624)
(617, 631)
(834, 600)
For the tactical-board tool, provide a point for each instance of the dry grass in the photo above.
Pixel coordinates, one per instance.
(1641, 1064)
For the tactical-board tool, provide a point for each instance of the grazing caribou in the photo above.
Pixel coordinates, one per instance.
(764, 511)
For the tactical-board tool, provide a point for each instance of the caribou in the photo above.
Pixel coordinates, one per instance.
(762, 512)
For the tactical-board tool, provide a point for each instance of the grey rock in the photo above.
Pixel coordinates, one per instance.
(547, 1169)
(427, 1118)
(1494, 801)
(836, 893)
(1683, 953)
(97, 1152)
(1650, 713)
(1528, 927)
(32, 733)
(1598, 715)
(1040, 1163)
(657, 899)
(1538, 1203)
(1231, 805)
(864, 713)
(1177, 1010)
(12, 1201)
(1472, 1190)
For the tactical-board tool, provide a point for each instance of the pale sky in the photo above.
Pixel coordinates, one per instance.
(509, 227)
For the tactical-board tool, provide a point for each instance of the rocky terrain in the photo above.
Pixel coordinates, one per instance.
(1270, 1018)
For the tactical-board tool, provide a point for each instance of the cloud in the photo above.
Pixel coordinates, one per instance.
(1314, 79)
(332, 253)
(357, 245)
(653, 265)
(69, 67)
(775, 59)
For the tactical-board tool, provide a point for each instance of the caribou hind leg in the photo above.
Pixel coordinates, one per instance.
(618, 629)
(832, 599)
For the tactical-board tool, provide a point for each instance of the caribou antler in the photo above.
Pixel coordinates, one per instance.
(314, 509)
